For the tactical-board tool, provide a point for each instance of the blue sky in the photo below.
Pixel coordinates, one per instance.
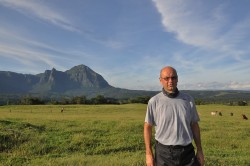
(129, 41)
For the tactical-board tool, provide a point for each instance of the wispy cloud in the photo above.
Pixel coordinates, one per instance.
(28, 51)
(25, 56)
(17, 38)
(204, 27)
(40, 11)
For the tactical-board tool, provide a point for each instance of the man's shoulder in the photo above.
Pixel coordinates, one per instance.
(186, 96)
(156, 97)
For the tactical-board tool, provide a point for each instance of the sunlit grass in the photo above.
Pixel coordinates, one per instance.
(109, 135)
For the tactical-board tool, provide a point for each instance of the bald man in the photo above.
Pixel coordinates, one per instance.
(175, 118)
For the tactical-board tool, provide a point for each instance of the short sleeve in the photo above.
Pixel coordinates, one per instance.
(150, 113)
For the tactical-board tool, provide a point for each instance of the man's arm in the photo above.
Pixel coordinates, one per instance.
(147, 140)
(197, 140)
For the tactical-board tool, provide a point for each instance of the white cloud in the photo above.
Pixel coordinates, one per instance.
(195, 23)
(113, 44)
(187, 22)
(38, 10)
(237, 85)
(216, 86)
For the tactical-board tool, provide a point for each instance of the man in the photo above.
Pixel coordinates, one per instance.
(175, 118)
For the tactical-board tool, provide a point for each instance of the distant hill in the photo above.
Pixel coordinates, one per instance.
(81, 80)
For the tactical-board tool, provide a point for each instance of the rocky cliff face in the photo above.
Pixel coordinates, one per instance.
(84, 77)
(78, 77)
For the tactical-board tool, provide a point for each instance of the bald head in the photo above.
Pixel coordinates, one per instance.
(168, 69)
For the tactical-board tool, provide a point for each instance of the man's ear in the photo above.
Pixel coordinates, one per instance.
(161, 81)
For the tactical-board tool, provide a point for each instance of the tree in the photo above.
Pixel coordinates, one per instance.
(199, 101)
(99, 99)
(79, 100)
(140, 99)
(29, 100)
(242, 103)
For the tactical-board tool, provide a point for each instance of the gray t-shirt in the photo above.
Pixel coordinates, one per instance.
(172, 118)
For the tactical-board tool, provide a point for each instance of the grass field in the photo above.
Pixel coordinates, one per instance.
(109, 135)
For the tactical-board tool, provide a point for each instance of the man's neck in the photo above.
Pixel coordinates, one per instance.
(171, 94)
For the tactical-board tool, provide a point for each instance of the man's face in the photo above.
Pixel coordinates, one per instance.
(169, 79)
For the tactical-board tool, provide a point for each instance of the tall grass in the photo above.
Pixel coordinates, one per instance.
(109, 135)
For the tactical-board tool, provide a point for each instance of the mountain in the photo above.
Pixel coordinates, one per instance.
(11, 82)
(78, 77)
(79, 80)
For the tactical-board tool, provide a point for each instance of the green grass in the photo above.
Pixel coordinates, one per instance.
(109, 135)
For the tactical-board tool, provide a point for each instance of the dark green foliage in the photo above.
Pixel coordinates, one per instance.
(99, 100)
(242, 103)
(28, 100)
(199, 101)
(140, 99)
(79, 100)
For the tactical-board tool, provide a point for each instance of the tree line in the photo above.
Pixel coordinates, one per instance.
(224, 102)
(99, 99)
